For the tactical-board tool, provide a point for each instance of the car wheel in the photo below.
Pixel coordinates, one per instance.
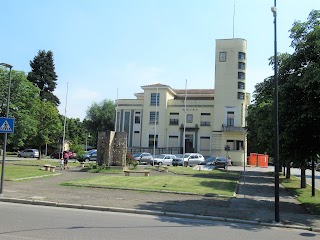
(31, 156)
(86, 160)
(160, 163)
(19, 155)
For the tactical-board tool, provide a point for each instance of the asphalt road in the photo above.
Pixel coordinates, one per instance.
(18, 222)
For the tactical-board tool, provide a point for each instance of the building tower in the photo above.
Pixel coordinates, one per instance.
(230, 100)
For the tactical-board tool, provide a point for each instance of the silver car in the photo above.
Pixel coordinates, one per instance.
(163, 159)
(31, 153)
(144, 157)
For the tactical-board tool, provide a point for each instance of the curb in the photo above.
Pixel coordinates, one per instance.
(156, 213)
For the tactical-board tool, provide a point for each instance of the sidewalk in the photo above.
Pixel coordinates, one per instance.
(254, 200)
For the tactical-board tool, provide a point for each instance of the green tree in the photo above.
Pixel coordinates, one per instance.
(299, 92)
(43, 76)
(100, 117)
(23, 106)
(49, 126)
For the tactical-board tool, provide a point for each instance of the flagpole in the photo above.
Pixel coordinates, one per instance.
(65, 120)
(116, 122)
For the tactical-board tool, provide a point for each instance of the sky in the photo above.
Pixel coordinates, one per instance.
(108, 49)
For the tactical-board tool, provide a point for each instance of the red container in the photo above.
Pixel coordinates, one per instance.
(263, 160)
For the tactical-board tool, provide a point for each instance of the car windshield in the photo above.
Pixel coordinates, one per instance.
(179, 155)
(136, 154)
(186, 155)
(161, 156)
(210, 159)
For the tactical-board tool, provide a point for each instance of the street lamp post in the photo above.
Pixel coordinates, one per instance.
(5, 134)
(276, 120)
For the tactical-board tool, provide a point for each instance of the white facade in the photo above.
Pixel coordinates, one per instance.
(215, 118)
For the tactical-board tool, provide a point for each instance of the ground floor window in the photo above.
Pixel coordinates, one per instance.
(153, 142)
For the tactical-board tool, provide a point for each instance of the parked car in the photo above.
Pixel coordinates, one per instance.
(188, 159)
(163, 159)
(208, 161)
(317, 167)
(220, 162)
(144, 157)
(29, 153)
(88, 156)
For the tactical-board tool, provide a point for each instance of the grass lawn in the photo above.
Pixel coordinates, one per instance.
(41, 162)
(13, 172)
(303, 194)
(191, 181)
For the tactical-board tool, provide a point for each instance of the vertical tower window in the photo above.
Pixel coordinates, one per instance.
(240, 95)
(154, 117)
(241, 85)
(241, 75)
(241, 56)
(241, 65)
(155, 98)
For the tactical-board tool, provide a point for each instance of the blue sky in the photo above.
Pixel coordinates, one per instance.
(100, 46)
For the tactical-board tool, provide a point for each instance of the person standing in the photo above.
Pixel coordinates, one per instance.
(61, 163)
(65, 159)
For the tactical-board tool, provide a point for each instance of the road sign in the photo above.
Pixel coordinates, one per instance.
(6, 125)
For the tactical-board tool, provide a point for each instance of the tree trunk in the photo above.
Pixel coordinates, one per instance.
(39, 153)
(288, 175)
(303, 183)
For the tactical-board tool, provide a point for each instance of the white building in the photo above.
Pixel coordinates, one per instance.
(210, 121)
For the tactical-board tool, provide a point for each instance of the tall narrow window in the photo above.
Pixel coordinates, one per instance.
(153, 142)
(230, 118)
(137, 118)
(155, 98)
(154, 117)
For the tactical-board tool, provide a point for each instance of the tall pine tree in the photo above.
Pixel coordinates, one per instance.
(43, 76)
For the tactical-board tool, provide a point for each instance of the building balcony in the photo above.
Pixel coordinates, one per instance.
(226, 128)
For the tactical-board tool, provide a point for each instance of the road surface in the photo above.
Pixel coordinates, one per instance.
(27, 222)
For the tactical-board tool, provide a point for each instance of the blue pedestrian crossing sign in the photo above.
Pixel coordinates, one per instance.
(6, 125)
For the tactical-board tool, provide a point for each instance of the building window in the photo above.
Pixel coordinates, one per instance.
(189, 118)
(126, 122)
(153, 142)
(230, 143)
(241, 75)
(154, 117)
(239, 145)
(241, 56)
(241, 85)
(230, 118)
(241, 65)
(204, 143)
(137, 119)
(205, 119)
(222, 56)
(240, 95)
(174, 119)
(155, 98)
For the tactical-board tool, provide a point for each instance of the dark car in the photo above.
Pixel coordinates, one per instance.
(208, 161)
(220, 162)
